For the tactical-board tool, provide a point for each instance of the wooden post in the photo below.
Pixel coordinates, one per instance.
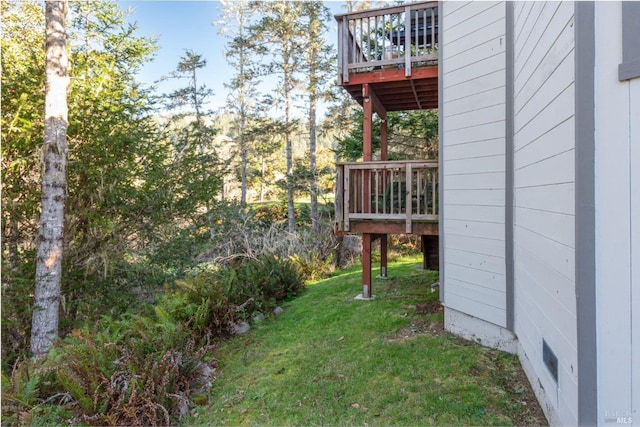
(383, 140)
(367, 124)
(344, 48)
(383, 255)
(366, 266)
(425, 252)
(339, 198)
(407, 41)
(367, 144)
(384, 157)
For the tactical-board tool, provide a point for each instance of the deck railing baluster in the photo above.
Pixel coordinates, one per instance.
(416, 21)
(355, 58)
(433, 29)
(409, 185)
(360, 36)
(376, 40)
(434, 193)
(362, 191)
(418, 191)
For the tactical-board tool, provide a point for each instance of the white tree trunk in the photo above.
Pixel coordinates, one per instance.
(44, 329)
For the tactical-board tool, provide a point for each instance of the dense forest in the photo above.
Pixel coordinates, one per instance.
(176, 224)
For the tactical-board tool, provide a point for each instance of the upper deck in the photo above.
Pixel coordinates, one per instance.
(394, 51)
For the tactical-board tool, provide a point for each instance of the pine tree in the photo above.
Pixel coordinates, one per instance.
(239, 55)
(194, 132)
(319, 63)
(281, 32)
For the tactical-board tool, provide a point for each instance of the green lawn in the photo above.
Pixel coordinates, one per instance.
(331, 360)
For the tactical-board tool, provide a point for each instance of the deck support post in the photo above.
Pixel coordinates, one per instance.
(425, 252)
(383, 256)
(367, 124)
(366, 266)
(384, 156)
(383, 140)
(367, 145)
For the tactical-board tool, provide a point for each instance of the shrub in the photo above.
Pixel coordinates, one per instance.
(17, 309)
(202, 304)
(262, 231)
(142, 369)
(258, 285)
(139, 370)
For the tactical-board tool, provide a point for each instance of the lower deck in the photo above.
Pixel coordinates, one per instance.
(379, 198)
(387, 197)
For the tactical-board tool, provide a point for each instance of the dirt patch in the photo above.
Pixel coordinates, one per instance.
(530, 413)
(428, 307)
(416, 328)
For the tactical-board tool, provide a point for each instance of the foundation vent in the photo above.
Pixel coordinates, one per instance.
(550, 360)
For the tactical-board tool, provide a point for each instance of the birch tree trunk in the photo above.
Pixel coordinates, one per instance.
(44, 329)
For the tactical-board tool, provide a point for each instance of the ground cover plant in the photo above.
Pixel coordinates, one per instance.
(331, 360)
(146, 368)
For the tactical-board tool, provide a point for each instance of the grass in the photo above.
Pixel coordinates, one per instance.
(331, 360)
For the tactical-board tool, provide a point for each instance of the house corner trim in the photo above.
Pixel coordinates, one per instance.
(585, 232)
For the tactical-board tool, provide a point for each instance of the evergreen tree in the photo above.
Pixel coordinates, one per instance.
(281, 32)
(114, 148)
(119, 187)
(193, 134)
(239, 55)
(22, 120)
(319, 69)
(410, 135)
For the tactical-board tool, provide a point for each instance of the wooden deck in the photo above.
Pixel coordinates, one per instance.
(395, 51)
(388, 61)
(393, 197)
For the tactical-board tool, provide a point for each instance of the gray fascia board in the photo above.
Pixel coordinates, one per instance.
(509, 171)
(629, 70)
(630, 67)
(441, 236)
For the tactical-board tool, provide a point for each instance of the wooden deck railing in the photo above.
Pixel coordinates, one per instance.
(404, 191)
(398, 36)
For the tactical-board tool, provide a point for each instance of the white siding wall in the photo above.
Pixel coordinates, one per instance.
(473, 154)
(617, 175)
(634, 140)
(634, 167)
(544, 241)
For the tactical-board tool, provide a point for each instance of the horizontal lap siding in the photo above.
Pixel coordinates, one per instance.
(544, 198)
(473, 79)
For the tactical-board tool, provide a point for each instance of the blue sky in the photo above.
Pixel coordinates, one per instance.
(182, 25)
